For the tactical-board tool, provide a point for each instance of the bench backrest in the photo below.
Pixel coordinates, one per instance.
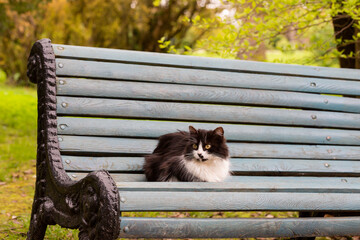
(279, 120)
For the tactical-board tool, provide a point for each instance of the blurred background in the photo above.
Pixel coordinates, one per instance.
(314, 32)
(307, 32)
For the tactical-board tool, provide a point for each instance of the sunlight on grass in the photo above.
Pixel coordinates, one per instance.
(300, 57)
(18, 107)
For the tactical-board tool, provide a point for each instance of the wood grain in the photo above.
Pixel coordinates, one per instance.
(73, 106)
(137, 181)
(145, 73)
(82, 144)
(233, 132)
(138, 57)
(243, 166)
(238, 228)
(238, 201)
(203, 94)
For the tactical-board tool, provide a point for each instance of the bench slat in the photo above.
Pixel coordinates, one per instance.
(123, 177)
(199, 62)
(238, 201)
(240, 184)
(71, 106)
(113, 71)
(238, 165)
(238, 227)
(82, 144)
(252, 133)
(252, 184)
(186, 93)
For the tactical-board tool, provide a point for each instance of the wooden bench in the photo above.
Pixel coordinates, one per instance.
(293, 133)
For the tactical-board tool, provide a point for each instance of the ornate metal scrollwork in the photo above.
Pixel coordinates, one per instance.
(91, 204)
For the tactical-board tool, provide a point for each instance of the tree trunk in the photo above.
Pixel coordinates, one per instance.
(344, 29)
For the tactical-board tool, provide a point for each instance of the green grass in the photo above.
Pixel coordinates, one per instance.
(18, 131)
(300, 57)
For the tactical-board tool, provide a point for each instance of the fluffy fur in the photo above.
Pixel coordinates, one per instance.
(194, 156)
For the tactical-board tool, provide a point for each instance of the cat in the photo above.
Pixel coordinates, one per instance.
(194, 156)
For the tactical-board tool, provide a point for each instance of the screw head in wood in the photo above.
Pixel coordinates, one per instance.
(313, 84)
(313, 116)
(61, 65)
(64, 104)
(60, 139)
(60, 48)
(74, 176)
(67, 161)
(122, 199)
(63, 126)
(326, 101)
(126, 229)
(61, 82)
(326, 165)
(328, 138)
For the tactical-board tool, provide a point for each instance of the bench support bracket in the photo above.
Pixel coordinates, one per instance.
(91, 204)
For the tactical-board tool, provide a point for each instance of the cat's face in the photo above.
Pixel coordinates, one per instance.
(207, 145)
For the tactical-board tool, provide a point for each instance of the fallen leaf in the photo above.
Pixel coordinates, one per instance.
(28, 172)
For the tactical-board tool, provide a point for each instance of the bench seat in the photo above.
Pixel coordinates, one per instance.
(293, 133)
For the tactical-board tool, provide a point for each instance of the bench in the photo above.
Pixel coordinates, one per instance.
(293, 134)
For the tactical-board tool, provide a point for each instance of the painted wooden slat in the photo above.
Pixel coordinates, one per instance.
(137, 182)
(111, 164)
(238, 165)
(251, 184)
(237, 228)
(127, 182)
(114, 71)
(124, 177)
(71, 106)
(252, 133)
(186, 93)
(66, 51)
(238, 201)
(82, 144)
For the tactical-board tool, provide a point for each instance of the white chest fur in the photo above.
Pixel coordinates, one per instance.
(213, 170)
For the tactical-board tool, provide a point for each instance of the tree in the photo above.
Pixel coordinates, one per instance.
(16, 32)
(287, 25)
(127, 24)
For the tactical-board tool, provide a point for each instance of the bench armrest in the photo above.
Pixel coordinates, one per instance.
(91, 204)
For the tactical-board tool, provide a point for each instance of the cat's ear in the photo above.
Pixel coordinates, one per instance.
(219, 131)
(192, 130)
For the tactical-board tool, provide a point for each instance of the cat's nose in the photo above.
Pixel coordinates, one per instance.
(200, 155)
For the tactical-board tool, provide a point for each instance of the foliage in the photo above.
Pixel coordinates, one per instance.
(127, 24)
(243, 29)
(16, 33)
(3, 76)
(246, 28)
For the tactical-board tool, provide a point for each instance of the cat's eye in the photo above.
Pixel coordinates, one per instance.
(208, 146)
(195, 146)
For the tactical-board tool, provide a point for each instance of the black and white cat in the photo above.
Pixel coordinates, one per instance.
(194, 156)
